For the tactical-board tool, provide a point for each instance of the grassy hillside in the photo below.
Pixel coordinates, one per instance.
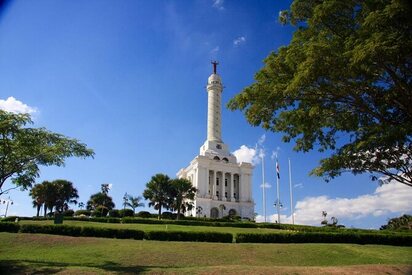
(21, 253)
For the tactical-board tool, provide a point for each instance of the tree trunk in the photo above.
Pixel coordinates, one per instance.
(38, 210)
(178, 213)
(160, 211)
(45, 210)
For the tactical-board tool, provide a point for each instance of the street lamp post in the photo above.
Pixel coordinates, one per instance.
(8, 201)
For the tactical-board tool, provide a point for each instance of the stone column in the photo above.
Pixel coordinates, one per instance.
(223, 186)
(232, 187)
(214, 185)
(240, 189)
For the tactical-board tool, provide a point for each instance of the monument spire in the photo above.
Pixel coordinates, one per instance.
(214, 120)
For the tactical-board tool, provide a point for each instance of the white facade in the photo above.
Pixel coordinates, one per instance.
(224, 185)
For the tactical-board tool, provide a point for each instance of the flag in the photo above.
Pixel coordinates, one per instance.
(277, 169)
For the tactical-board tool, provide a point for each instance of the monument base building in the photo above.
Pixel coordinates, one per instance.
(224, 185)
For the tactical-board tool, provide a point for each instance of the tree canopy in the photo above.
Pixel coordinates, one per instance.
(158, 192)
(24, 149)
(343, 84)
(101, 201)
(57, 194)
(182, 194)
(134, 202)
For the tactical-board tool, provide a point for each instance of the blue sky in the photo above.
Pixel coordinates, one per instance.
(128, 79)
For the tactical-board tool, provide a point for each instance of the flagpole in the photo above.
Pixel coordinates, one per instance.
(277, 187)
(291, 194)
(263, 186)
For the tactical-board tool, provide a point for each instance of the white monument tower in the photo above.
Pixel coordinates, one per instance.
(224, 185)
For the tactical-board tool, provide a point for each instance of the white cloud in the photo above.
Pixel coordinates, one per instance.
(388, 198)
(298, 185)
(239, 41)
(214, 50)
(275, 153)
(262, 140)
(218, 4)
(267, 185)
(15, 106)
(246, 154)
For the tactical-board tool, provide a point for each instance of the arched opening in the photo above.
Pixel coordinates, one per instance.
(216, 158)
(214, 213)
(232, 212)
(225, 160)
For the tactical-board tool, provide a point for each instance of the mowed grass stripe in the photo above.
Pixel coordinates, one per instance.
(41, 252)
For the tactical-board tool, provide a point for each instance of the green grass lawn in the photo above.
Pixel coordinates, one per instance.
(38, 253)
(160, 227)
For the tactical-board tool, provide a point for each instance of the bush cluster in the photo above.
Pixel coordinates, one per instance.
(83, 212)
(144, 214)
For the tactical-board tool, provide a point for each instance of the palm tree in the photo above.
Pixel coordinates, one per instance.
(125, 200)
(38, 195)
(65, 194)
(134, 202)
(158, 192)
(183, 194)
(50, 196)
(81, 205)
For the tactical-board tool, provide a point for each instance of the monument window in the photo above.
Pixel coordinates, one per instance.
(217, 193)
(225, 194)
(225, 160)
(225, 182)
(218, 146)
(234, 195)
(216, 158)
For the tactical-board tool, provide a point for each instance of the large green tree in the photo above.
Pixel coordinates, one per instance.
(343, 85)
(101, 201)
(24, 149)
(158, 191)
(183, 194)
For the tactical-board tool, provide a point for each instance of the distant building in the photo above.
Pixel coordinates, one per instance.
(224, 185)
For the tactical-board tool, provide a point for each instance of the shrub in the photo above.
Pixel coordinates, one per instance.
(68, 213)
(126, 213)
(100, 211)
(130, 234)
(144, 214)
(51, 229)
(82, 212)
(10, 219)
(9, 227)
(167, 215)
(189, 236)
(112, 233)
(114, 213)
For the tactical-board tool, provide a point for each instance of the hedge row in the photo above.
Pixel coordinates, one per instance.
(325, 237)
(296, 237)
(80, 231)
